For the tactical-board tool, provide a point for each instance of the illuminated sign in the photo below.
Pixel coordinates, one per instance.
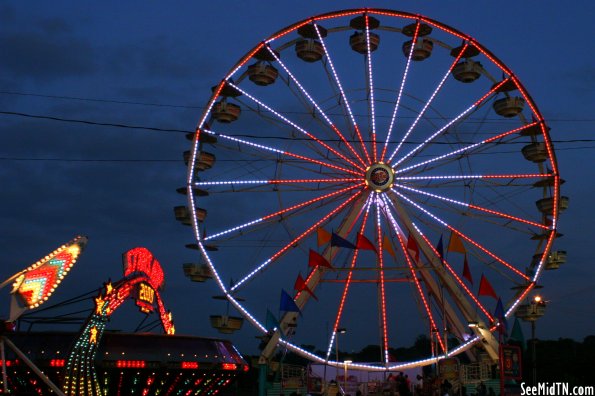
(145, 297)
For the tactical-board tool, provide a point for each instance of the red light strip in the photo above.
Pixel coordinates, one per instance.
(435, 134)
(476, 207)
(403, 80)
(414, 276)
(229, 366)
(364, 206)
(293, 124)
(343, 96)
(456, 177)
(423, 111)
(189, 365)
(278, 181)
(350, 273)
(466, 148)
(371, 87)
(465, 237)
(333, 127)
(278, 151)
(297, 206)
(131, 364)
(294, 241)
(382, 285)
(454, 274)
(468, 239)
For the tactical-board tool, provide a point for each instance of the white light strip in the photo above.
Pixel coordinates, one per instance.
(330, 345)
(421, 145)
(248, 224)
(345, 101)
(466, 205)
(371, 82)
(394, 117)
(293, 124)
(296, 240)
(295, 80)
(423, 111)
(278, 151)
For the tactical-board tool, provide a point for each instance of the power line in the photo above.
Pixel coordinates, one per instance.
(128, 102)
(173, 130)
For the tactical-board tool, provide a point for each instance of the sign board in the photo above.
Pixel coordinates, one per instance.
(511, 362)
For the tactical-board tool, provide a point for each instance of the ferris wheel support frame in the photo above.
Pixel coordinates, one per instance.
(312, 282)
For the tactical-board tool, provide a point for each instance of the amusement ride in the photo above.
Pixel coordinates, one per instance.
(376, 171)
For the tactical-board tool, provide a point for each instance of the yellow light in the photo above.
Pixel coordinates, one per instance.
(537, 299)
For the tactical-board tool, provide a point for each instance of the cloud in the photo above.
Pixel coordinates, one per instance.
(38, 56)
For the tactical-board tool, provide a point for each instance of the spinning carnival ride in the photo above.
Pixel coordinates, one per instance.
(385, 170)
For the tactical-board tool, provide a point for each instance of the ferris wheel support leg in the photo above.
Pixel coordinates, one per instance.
(289, 320)
(488, 341)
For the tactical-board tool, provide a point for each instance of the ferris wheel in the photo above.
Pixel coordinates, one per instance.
(372, 175)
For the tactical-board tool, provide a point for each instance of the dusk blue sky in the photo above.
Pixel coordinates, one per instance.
(152, 64)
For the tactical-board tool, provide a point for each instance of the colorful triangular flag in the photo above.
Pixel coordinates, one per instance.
(499, 314)
(440, 249)
(455, 244)
(364, 243)
(287, 304)
(485, 288)
(517, 333)
(336, 240)
(271, 321)
(467, 271)
(412, 247)
(388, 246)
(315, 259)
(322, 236)
(301, 285)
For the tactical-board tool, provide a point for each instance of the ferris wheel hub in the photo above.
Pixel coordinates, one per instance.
(379, 177)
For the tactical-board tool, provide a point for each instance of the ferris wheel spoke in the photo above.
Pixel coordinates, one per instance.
(273, 215)
(347, 282)
(412, 271)
(397, 104)
(475, 207)
(294, 125)
(274, 181)
(455, 276)
(449, 124)
(446, 276)
(476, 177)
(380, 256)
(370, 81)
(311, 100)
(296, 240)
(467, 149)
(429, 102)
(343, 96)
(263, 147)
(462, 235)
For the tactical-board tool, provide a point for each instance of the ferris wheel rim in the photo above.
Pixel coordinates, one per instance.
(373, 11)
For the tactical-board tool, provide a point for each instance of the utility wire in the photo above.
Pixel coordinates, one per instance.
(173, 130)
